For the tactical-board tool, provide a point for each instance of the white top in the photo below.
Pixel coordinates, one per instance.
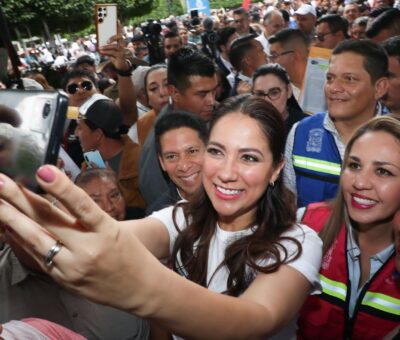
(264, 42)
(307, 264)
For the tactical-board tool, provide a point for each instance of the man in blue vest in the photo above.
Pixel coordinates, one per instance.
(355, 81)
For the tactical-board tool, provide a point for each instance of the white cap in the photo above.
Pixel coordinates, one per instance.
(306, 9)
(88, 103)
(31, 84)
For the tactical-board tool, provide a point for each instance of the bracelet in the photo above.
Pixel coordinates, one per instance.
(125, 73)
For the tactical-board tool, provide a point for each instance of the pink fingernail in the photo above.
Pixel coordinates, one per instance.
(46, 174)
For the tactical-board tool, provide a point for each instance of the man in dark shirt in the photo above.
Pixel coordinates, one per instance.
(192, 82)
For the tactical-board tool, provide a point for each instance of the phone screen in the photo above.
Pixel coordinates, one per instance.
(31, 126)
(106, 22)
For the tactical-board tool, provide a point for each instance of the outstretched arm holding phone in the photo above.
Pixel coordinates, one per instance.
(116, 264)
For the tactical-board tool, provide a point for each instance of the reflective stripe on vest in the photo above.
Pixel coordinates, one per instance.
(333, 288)
(382, 302)
(317, 165)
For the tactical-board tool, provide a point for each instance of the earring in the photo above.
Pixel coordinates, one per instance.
(272, 184)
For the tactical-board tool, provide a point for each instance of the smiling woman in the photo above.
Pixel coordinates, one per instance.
(237, 237)
(357, 274)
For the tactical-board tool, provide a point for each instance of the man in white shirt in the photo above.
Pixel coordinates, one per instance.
(273, 22)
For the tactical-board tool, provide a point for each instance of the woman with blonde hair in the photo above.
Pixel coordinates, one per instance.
(361, 294)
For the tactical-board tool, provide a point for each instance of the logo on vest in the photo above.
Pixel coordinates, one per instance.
(327, 259)
(314, 142)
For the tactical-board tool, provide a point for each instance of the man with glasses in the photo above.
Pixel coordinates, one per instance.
(241, 21)
(80, 85)
(330, 31)
(289, 48)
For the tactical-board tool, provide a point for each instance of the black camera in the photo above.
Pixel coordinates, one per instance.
(152, 36)
(152, 32)
(209, 38)
(102, 13)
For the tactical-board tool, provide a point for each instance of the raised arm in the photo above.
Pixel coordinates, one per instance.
(106, 261)
(116, 51)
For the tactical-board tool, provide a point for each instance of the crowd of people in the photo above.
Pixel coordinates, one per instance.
(220, 207)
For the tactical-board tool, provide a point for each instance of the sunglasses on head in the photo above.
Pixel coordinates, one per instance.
(85, 85)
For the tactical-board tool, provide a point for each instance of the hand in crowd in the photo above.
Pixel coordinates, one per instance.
(87, 236)
(115, 50)
(243, 87)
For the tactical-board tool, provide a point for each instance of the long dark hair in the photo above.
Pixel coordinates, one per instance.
(275, 214)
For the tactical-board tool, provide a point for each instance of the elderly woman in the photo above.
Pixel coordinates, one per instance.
(102, 186)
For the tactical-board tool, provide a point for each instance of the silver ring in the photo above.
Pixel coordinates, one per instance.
(54, 250)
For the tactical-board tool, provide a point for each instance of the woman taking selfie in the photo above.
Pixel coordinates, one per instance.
(361, 293)
(239, 237)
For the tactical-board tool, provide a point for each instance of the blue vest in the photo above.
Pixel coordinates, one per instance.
(316, 161)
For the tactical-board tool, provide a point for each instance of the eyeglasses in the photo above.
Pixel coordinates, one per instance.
(273, 57)
(272, 94)
(85, 85)
(321, 36)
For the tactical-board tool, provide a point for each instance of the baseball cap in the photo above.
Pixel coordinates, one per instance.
(102, 112)
(306, 9)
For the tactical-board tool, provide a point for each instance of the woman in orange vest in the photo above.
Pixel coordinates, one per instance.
(361, 292)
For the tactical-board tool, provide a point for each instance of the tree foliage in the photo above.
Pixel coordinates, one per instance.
(72, 16)
(225, 3)
(66, 16)
(160, 9)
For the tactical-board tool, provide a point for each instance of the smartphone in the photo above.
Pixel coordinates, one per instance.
(31, 130)
(94, 157)
(106, 22)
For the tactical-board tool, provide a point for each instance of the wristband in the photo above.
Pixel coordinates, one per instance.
(125, 73)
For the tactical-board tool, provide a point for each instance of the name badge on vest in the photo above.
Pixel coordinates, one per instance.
(314, 142)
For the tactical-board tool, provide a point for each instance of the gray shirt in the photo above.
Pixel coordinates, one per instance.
(26, 294)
